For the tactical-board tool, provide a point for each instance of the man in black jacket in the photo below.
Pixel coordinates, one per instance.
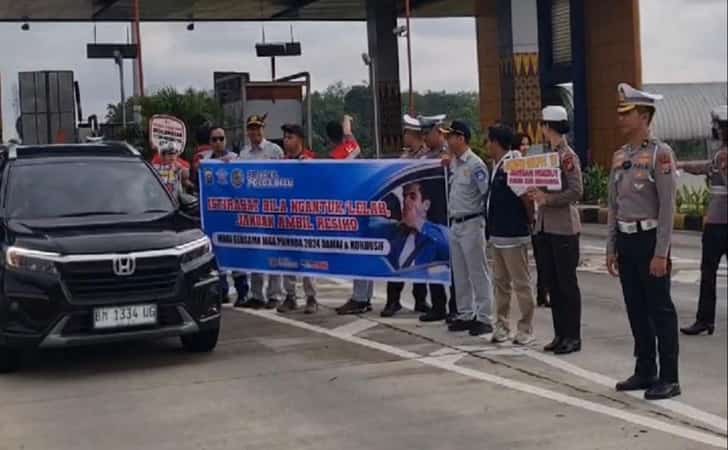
(509, 215)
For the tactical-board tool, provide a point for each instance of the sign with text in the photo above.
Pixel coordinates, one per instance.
(534, 171)
(383, 219)
(165, 130)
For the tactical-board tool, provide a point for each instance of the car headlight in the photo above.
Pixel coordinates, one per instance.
(195, 250)
(32, 260)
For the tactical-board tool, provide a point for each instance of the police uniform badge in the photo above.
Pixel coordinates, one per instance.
(209, 177)
(568, 163)
(222, 177)
(480, 175)
(666, 163)
(237, 178)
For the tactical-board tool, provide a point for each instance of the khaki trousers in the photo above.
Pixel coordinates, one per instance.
(510, 274)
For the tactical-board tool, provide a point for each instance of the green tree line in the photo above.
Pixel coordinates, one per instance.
(198, 108)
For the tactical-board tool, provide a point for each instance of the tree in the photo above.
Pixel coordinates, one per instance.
(196, 108)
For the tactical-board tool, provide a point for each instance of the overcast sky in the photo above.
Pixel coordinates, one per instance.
(682, 41)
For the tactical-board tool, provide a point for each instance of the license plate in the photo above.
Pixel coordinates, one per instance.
(125, 316)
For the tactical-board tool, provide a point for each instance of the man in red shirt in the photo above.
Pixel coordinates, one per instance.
(340, 134)
(293, 146)
(345, 146)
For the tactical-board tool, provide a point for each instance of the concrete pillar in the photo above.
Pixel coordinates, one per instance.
(384, 48)
(510, 89)
(486, 28)
(613, 55)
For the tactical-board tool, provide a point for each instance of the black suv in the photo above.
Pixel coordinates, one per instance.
(95, 250)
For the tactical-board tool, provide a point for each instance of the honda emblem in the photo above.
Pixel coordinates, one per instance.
(124, 265)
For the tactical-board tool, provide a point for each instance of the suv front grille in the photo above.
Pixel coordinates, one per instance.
(95, 281)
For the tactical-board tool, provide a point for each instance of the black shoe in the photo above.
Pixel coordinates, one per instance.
(422, 307)
(553, 345)
(452, 317)
(636, 383)
(543, 301)
(662, 390)
(354, 307)
(288, 305)
(460, 325)
(272, 303)
(433, 316)
(568, 346)
(252, 303)
(478, 328)
(311, 306)
(391, 309)
(698, 328)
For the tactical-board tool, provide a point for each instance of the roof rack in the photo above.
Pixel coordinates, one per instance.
(101, 148)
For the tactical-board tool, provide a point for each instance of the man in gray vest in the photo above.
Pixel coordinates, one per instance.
(466, 208)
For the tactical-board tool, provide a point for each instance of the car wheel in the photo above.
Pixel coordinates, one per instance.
(202, 342)
(9, 360)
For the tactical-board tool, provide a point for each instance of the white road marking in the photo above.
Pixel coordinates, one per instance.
(355, 327)
(676, 430)
(719, 423)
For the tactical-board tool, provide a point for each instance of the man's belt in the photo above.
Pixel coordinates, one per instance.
(464, 218)
(637, 226)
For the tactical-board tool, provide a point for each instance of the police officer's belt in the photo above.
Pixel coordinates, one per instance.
(464, 218)
(636, 227)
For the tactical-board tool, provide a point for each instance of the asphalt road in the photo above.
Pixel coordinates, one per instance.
(348, 383)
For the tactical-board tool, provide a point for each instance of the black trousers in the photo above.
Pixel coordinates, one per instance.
(715, 246)
(419, 292)
(650, 309)
(541, 291)
(558, 257)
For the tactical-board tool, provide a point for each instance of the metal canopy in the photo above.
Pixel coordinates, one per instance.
(215, 10)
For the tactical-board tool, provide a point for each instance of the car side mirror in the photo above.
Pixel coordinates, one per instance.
(189, 205)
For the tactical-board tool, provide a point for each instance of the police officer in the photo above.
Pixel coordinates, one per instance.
(415, 130)
(557, 231)
(436, 141)
(715, 231)
(642, 188)
(258, 147)
(466, 208)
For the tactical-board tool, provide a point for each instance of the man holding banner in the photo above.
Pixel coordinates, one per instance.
(258, 148)
(413, 202)
(293, 139)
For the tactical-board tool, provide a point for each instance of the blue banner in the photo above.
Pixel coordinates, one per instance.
(379, 219)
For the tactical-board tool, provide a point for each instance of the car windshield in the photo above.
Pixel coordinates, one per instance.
(84, 188)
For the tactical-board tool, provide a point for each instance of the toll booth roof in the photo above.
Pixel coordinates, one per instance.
(216, 10)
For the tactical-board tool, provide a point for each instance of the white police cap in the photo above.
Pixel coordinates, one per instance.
(720, 113)
(554, 114)
(430, 122)
(410, 123)
(630, 98)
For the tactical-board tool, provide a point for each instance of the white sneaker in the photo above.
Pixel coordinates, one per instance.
(523, 338)
(500, 334)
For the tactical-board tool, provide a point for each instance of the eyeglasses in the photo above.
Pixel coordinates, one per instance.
(217, 139)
